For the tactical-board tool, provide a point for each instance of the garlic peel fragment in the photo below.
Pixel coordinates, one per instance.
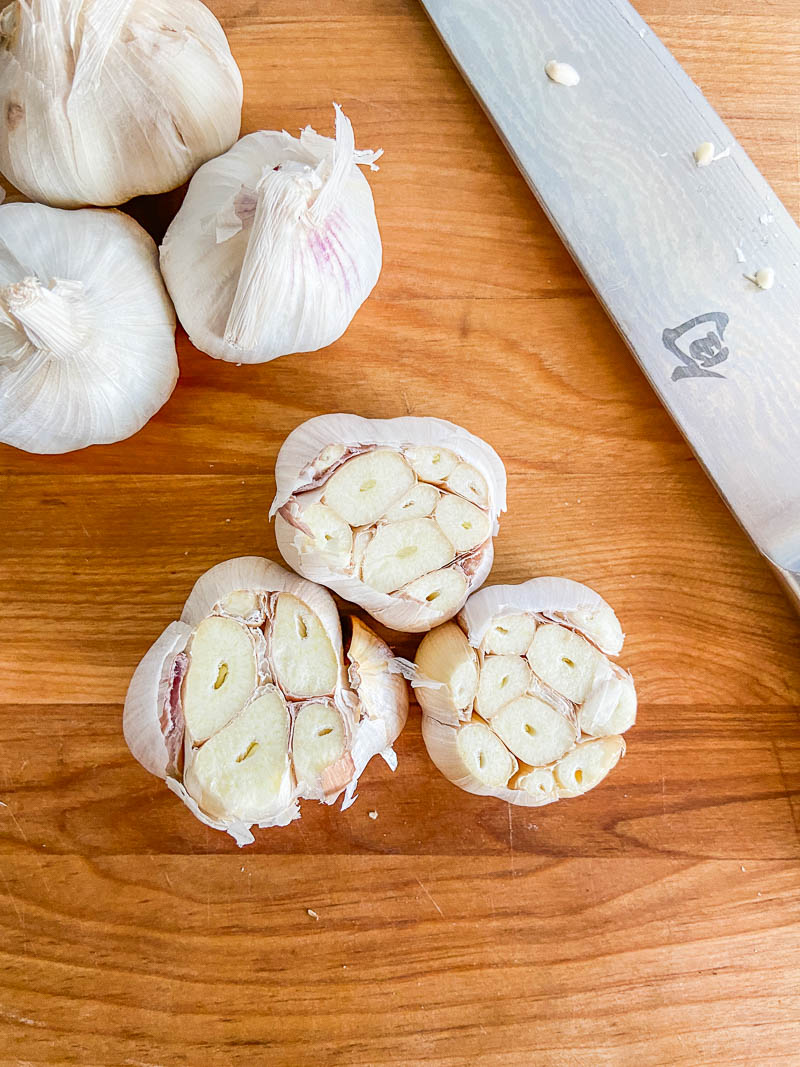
(527, 709)
(415, 548)
(268, 710)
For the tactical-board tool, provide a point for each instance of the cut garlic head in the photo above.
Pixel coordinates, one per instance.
(518, 700)
(249, 704)
(276, 245)
(87, 331)
(397, 515)
(104, 100)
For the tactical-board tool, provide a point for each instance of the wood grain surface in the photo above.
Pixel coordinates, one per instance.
(653, 921)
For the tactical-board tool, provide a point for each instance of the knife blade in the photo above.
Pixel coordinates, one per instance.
(665, 244)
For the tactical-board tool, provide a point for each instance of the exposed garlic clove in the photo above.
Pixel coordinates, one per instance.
(610, 708)
(409, 570)
(242, 772)
(88, 331)
(402, 552)
(241, 762)
(104, 100)
(362, 489)
(220, 678)
(502, 679)
(444, 656)
(303, 656)
(534, 731)
(276, 245)
(418, 502)
(330, 534)
(587, 765)
(565, 661)
(432, 464)
(545, 694)
(464, 525)
(510, 635)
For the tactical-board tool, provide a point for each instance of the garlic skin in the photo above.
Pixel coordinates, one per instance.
(519, 700)
(104, 100)
(276, 245)
(271, 745)
(87, 331)
(343, 486)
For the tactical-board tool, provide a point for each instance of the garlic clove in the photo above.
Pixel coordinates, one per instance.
(318, 742)
(484, 755)
(242, 772)
(220, 677)
(105, 100)
(419, 501)
(464, 525)
(402, 552)
(329, 534)
(610, 707)
(468, 482)
(510, 635)
(362, 490)
(444, 656)
(303, 656)
(540, 783)
(502, 679)
(564, 661)
(245, 605)
(445, 589)
(432, 464)
(587, 765)
(534, 731)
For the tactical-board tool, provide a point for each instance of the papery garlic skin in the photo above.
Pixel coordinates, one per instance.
(104, 100)
(518, 700)
(306, 721)
(87, 331)
(396, 515)
(276, 245)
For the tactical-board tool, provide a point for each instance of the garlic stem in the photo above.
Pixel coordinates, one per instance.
(54, 320)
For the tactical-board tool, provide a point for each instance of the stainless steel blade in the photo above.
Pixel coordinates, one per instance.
(665, 244)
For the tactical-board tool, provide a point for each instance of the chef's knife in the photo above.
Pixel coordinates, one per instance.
(666, 245)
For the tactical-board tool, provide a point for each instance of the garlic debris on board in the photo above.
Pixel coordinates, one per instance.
(276, 245)
(397, 515)
(249, 704)
(103, 100)
(87, 331)
(519, 698)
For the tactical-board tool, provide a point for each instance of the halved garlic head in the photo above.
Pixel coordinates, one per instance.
(249, 703)
(518, 700)
(396, 515)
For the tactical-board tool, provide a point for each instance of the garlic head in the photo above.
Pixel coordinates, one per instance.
(276, 245)
(396, 515)
(518, 700)
(87, 331)
(103, 100)
(250, 703)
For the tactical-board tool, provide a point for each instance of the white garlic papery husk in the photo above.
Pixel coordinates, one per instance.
(250, 703)
(396, 515)
(104, 100)
(276, 245)
(87, 331)
(518, 696)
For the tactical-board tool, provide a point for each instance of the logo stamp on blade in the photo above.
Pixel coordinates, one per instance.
(701, 348)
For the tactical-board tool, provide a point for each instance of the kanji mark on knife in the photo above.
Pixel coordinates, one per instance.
(705, 347)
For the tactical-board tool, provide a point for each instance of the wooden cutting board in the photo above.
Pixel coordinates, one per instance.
(654, 921)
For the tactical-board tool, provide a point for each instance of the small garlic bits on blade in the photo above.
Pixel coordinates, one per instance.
(397, 515)
(519, 698)
(103, 100)
(87, 331)
(247, 704)
(276, 245)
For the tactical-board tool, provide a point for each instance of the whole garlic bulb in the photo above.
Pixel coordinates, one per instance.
(87, 331)
(245, 705)
(103, 100)
(276, 245)
(397, 515)
(519, 699)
